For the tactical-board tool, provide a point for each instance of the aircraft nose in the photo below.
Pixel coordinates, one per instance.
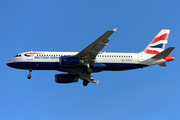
(8, 63)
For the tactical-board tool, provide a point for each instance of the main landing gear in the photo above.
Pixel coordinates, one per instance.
(29, 76)
(89, 70)
(85, 82)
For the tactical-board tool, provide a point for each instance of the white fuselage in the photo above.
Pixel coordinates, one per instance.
(104, 61)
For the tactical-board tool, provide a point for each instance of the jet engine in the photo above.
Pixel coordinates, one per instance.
(69, 60)
(65, 78)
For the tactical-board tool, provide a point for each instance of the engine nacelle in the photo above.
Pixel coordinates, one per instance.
(68, 60)
(65, 78)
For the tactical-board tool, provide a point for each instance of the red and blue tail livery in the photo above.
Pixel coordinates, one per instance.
(81, 65)
(158, 44)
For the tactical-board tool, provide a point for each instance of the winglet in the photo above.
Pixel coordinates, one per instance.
(114, 29)
(97, 82)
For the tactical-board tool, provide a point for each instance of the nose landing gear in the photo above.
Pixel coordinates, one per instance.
(29, 76)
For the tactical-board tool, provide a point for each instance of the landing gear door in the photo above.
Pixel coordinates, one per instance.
(140, 57)
(30, 57)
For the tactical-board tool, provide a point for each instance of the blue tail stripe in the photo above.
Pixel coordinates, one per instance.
(157, 46)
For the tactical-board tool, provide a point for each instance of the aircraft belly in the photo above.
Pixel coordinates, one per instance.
(35, 65)
(122, 66)
(98, 67)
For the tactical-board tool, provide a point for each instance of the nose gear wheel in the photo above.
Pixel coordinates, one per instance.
(29, 76)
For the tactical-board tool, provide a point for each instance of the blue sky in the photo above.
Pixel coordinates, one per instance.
(54, 25)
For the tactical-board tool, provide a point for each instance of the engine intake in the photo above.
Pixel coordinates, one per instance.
(69, 60)
(65, 78)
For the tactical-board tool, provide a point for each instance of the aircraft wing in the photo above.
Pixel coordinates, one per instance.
(90, 52)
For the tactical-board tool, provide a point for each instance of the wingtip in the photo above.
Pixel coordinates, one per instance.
(115, 29)
(97, 82)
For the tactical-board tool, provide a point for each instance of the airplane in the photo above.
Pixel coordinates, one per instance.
(81, 65)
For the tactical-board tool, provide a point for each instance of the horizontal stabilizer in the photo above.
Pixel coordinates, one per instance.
(164, 53)
(162, 64)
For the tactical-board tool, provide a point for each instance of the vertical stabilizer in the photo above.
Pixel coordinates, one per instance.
(158, 44)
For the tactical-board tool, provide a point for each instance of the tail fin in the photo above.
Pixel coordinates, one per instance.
(158, 44)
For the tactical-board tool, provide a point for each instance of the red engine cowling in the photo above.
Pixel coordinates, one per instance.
(65, 78)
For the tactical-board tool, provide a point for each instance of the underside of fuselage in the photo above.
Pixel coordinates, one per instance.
(98, 67)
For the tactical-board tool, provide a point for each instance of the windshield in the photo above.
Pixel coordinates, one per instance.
(17, 56)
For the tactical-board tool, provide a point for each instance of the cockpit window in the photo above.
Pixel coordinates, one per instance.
(18, 56)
